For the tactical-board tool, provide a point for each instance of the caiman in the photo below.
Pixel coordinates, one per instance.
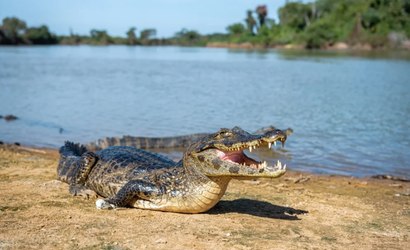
(130, 177)
(182, 141)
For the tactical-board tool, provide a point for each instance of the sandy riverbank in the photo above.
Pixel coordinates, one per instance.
(37, 212)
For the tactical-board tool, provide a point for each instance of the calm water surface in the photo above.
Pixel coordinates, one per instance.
(351, 115)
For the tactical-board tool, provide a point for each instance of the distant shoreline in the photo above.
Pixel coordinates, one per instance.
(337, 47)
(340, 46)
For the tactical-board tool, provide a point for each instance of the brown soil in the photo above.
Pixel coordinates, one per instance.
(37, 212)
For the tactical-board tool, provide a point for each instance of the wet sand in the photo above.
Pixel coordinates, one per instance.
(296, 211)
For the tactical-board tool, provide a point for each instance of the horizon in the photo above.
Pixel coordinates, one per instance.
(80, 17)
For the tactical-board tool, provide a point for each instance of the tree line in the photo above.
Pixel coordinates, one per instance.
(317, 24)
(322, 23)
(14, 31)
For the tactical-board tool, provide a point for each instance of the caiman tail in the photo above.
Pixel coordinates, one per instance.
(72, 149)
(182, 141)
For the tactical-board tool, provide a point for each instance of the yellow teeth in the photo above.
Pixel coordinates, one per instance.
(252, 147)
(264, 164)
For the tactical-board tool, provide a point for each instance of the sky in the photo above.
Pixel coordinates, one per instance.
(117, 16)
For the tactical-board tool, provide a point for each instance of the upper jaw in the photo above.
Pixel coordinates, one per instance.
(269, 140)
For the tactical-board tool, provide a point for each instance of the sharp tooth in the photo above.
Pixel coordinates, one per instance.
(250, 148)
(274, 143)
(270, 145)
(284, 167)
(254, 146)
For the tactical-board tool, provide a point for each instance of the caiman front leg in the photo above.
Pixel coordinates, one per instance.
(133, 190)
(77, 186)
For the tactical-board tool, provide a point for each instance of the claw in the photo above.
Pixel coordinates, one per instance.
(102, 204)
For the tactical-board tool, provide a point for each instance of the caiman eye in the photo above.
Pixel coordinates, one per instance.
(224, 134)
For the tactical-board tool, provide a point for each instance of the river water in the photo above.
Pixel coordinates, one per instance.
(350, 114)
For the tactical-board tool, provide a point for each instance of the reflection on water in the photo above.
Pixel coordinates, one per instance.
(350, 114)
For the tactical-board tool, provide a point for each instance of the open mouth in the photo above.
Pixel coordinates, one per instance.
(237, 155)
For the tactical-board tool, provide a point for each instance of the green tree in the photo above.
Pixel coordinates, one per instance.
(131, 37)
(13, 29)
(236, 29)
(3, 38)
(187, 34)
(188, 37)
(295, 15)
(100, 37)
(319, 35)
(40, 35)
(147, 34)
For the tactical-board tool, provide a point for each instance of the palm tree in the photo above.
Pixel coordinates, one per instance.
(250, 22)
(262, 12)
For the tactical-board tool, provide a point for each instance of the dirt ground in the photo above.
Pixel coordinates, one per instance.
(37, 212)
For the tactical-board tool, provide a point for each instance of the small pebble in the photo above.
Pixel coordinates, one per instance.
(161, 241)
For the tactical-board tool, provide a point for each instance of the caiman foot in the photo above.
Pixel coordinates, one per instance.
(133, 190)
(103, 204)
(79, 190)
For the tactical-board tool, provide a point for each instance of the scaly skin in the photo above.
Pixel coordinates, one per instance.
(182, 141)
(131, 177)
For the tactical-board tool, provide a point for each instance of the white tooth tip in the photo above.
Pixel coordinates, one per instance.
(284, 167)
(270, 145)
(274, 143)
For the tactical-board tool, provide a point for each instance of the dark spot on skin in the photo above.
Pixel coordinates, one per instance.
(234, 170)
(216, 164)
(201, 158)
